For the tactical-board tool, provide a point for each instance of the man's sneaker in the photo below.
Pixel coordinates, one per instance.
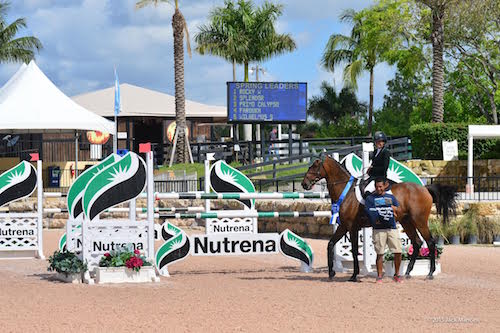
(396, 279)
(378, 280)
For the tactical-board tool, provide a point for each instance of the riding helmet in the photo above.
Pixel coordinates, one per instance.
(379, 136)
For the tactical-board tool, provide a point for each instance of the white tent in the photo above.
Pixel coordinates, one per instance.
(30, 102)
(478, 132)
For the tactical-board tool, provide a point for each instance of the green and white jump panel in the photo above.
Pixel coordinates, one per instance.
(21, 234)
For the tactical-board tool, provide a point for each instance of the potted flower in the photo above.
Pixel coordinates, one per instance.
(127, 265)
(421, 264)
(68, 266)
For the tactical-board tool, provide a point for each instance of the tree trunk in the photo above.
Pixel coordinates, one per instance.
(437, 38)
(180, 105)
(494, 113)
(370, 106)
(234, 70)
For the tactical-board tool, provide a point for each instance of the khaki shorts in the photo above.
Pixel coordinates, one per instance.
(381, 237)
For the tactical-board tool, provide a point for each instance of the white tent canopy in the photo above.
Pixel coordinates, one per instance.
(478, 132)
(30, 102)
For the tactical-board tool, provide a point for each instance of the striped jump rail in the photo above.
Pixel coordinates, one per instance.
(243, 213)
(139, 210)
(243, 196)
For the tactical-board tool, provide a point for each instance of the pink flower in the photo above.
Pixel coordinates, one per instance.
(107, 255)
(410, 250)
(137, 252)
(424, 252)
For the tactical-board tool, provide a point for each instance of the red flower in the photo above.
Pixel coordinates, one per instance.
(137, 252)
(134, 263)
(410, 250)
(107, 255)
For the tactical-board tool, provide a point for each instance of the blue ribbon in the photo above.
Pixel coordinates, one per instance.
(336, 205)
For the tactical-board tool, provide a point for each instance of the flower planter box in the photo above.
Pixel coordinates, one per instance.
(70, 278)
(421, 267)
(126, 275)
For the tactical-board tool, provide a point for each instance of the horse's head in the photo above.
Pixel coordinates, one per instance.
(315, 172)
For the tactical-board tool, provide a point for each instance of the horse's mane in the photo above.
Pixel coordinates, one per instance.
(340, 165)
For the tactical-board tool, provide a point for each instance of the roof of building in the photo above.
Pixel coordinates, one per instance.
(140, 102)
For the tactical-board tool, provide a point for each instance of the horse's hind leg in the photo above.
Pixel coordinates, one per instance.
(431, 244)
(339, 233)
(411, 232)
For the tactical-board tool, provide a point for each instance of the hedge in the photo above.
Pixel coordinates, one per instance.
(427, 141)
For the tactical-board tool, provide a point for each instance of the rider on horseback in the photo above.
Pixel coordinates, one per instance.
(380, 159)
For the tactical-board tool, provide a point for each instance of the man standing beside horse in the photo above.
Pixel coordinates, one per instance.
(380, 208)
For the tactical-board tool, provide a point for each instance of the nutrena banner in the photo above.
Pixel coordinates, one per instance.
(17, 183)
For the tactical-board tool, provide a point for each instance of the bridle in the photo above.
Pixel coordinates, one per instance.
(318, 177)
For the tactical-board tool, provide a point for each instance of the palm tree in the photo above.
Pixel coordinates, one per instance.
(179, 27)
(13, 49)
(353, 51)
(264, 42)
(222, 35)
(438, 8)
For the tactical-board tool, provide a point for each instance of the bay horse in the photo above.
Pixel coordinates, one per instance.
(415, 206)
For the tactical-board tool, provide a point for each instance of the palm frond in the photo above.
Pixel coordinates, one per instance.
(352, 72)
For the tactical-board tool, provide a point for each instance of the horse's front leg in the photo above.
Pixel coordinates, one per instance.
(355, 250)
(339, 233)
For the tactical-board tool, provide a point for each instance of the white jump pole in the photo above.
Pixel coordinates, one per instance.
(470, 166)
(366, 268)
(150, 202)
(40, 208)
(337, 264)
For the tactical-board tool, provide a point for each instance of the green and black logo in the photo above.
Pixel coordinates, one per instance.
(119, 182)
(295, 247)
(75, 193)
(224, 178)
(175, 248)
(17, 183)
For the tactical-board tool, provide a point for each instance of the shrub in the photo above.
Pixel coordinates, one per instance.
(436, 228)
(66, 263)
(488, 228)
(467, 224)
(427, 141)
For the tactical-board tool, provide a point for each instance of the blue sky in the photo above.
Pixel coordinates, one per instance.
(84, 39)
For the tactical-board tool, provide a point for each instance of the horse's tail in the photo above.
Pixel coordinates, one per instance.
(444, 196)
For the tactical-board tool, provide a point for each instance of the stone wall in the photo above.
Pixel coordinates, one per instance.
(426, 168)
(311, 226)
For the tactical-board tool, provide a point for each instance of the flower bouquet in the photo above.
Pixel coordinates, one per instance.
(127, 265)
(129, 258)
(421, 264)
(407, 252)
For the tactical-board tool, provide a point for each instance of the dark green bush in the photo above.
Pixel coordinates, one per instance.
(66, 263)
(427, 141)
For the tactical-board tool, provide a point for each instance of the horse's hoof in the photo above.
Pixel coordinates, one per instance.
(429, 277)
(331, 276)
(407, 276)
(353, 279)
